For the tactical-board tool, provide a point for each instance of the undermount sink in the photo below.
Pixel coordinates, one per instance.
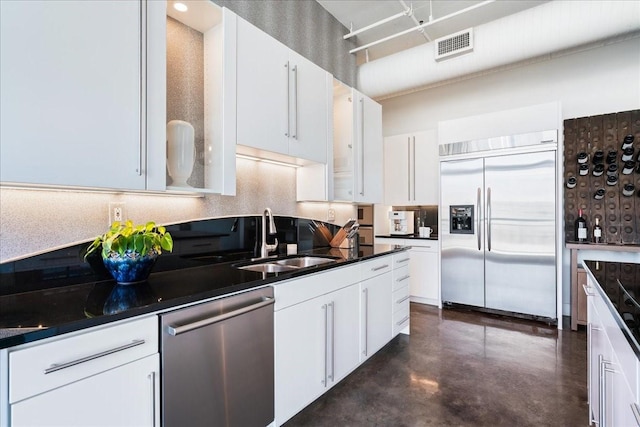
(306, 261)
(267, 267)
(287, 264)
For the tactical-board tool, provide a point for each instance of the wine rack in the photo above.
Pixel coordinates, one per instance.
(619, 214)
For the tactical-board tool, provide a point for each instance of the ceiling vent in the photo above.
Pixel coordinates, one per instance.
(454, 44)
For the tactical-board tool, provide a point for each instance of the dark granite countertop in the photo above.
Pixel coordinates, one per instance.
(619, 284)
(50, 311)
(407, 236)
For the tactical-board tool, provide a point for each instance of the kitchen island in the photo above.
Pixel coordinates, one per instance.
(613, 322)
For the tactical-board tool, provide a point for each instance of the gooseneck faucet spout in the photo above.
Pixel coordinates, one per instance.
(265, 248)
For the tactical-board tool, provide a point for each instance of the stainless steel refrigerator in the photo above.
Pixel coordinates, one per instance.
(498, 224)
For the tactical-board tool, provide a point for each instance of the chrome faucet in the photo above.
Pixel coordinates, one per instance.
(265, 248)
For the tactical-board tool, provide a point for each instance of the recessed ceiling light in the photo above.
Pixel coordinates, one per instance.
(180, 7)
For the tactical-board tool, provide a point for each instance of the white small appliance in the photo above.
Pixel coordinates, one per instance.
(401, 222)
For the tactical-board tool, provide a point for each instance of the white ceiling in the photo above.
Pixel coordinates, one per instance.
(356, 14)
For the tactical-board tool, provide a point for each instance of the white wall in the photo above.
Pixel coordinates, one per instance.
(599, 80)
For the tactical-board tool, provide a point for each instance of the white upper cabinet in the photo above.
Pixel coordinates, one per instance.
(357, 147)
(282, 100)
(71, 79)
(411, 169)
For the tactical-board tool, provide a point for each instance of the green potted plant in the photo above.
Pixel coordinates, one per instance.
(129, 251)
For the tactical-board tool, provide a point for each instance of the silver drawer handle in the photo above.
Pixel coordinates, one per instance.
(403, 260)
(403, 278)
(403, 299)
(177, 330)
(586, 290)
(382, 267)
(404, 319)
(55, 367)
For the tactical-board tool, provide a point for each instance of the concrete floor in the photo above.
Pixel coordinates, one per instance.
(461, 368)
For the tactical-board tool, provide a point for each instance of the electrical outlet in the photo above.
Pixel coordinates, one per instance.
(331, 215)
(116, 212)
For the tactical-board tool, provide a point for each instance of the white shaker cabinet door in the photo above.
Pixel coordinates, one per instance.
(70, 93)
(262, 97)
(124, 396)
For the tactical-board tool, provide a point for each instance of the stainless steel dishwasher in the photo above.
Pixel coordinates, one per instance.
(217, 362)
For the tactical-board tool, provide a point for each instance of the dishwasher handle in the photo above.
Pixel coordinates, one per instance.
(177, 330)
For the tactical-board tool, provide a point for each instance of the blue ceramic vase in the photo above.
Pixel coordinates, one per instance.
(130, 268)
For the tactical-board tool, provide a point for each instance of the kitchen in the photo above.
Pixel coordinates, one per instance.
(607, 82)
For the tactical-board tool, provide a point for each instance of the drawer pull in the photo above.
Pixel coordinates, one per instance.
(382, 267)
(401, 300)
(402, 279)
(56, 367)
(403, 260)
(404, 319)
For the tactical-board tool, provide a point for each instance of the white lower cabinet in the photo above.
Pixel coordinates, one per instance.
(104, 376)
(425, 268)
(326, 324)
(612, 367)
(316, 346)
(376, 314)
(400, 300)
(124, 396)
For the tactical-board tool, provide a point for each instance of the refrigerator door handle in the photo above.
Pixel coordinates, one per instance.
(489, 219)
(478, 220)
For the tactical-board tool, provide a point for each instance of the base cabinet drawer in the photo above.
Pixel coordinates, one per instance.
(125, 396)
(53, 364)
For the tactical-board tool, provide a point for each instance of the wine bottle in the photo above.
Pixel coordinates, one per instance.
(597, 232)
(581, 228)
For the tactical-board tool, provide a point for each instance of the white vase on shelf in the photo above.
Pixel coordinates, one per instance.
(181, 152)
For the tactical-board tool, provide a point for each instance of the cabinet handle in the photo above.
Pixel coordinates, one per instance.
(362, 147)
(152, 382)
(586, 290)
(403, 299)
(295, 99)
(177, 330)
(143, 85)
(404, 319)
(380, 268)
(478, 228)
(366, 319)
(402, 279)
(602, 374)
(57, 367)
(489, 219)
(333, 340)
(413, 147)
(408, 168)
(326, 339)
(636, 412)
(288, 106)
(403, 260)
